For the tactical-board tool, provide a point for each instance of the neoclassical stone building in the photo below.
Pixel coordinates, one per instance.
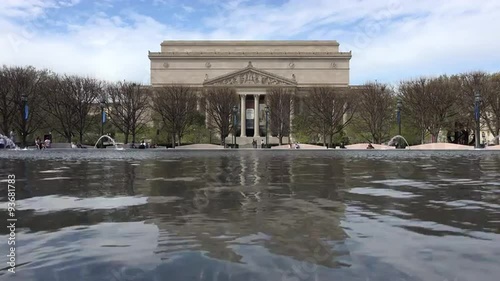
(251, 67)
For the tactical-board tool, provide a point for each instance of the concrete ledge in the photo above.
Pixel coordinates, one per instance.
(200, 146)
(60, 145)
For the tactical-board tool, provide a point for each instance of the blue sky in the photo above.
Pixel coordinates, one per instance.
(390, 40)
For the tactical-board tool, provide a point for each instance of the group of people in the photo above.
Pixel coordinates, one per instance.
(254, 144)
(143, 144)
(42, 144)
(262, 145)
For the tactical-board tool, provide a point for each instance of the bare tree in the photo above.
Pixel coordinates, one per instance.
(220, 103)
(440, 99)
(60, 105)
(7, 104)
(329, 110)
(280, 103)
(376, 107)
(177, 107)
(431, 102)
(85, 91)
(411, 93)
(127, 104)
(26, 83)
(468, 84)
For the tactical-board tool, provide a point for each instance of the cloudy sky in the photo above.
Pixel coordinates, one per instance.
(390, 40)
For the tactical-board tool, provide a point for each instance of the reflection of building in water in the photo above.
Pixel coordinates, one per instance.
(220, 214)
(249, 169)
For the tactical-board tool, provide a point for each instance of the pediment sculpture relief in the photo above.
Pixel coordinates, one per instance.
(250, 78)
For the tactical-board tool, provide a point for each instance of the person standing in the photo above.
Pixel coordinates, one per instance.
(38, 143)
(261, 143)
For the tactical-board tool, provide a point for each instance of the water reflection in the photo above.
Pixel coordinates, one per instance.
(247, 215)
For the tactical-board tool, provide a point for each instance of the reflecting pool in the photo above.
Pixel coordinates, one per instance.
(253, 215)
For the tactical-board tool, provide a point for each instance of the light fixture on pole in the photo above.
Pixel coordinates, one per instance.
(399, 105)
(477, 117)
(103, 118)
(24, 100)
(267, 121)
(235, 111)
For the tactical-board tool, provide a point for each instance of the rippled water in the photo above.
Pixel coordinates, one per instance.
(253, 215)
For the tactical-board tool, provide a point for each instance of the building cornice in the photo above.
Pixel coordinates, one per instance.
(249, 43)
(306, 55)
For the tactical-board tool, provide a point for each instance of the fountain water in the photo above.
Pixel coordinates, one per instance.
(8, 142)
(495, 138)
(391, 141)
(111, 139)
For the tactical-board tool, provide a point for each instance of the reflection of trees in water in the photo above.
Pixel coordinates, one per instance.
(435, 186)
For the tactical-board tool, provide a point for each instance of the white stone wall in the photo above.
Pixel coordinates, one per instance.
(312, 63)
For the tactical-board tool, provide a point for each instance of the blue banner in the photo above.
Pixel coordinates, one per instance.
(476, 112)
(104, 117)
(398, 117)
(26, 112)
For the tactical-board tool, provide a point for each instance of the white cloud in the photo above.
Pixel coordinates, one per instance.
(187, 9)
(390, 40)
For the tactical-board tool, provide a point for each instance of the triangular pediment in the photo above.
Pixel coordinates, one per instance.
(250, 76)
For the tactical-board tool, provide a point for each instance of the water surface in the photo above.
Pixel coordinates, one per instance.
(253, 215)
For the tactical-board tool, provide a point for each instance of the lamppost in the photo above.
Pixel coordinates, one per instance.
(235, 111)
(267, 121)
(103, 119)
(399, 105)
(24, 99)
(477, 115)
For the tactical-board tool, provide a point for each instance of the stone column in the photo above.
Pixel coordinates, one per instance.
(243, 117)
(256, 124)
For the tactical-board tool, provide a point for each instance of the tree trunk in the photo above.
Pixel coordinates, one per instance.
(126, 138)
(173, 140)
(222, 141)
(23, 137)
(68, 138)
(5, 128)
(280, 139)
(434, 137)
(81, 137)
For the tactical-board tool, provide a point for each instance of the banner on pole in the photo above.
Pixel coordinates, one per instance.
(104, 117)
(26, 112)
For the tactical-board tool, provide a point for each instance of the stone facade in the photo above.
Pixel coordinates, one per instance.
(251, 67)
